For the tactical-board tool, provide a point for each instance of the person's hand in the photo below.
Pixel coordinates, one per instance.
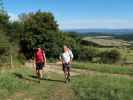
(34, 65)
(70, 62)
(45, 64)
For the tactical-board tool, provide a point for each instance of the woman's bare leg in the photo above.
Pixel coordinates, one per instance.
(41, 73)
(37, 73)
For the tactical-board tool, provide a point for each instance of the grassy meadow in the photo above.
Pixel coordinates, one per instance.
(21, 84)
(102, 87)
(105, 68)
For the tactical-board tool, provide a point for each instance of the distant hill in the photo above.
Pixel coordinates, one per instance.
(123, 34)
(107, 31)
(127, 37)
(105, 41)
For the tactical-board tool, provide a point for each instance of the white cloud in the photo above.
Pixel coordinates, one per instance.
(101, 23)
(13, 17)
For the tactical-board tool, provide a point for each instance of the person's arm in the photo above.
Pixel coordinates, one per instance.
(44, 56)
(45, 59)
(61, 59)
(34, 61)
(71, 55)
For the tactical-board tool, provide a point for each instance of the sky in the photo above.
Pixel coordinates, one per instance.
(79, 14)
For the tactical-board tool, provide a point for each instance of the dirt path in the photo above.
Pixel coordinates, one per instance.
(57, 68)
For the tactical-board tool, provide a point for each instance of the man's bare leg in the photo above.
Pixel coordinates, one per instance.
(65, 73)
(68, 76)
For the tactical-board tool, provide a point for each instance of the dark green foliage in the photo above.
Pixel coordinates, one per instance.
(127, 37)
(111, 56)
(4, 43)
(75, 36)
(9, 38)
(85, 53)
(40, 22)
(4, 21)
(4, 48)
(41, 30)
(16, 30)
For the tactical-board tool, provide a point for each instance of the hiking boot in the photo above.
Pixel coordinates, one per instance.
(66, 80)
(39, 81)
(69, 79)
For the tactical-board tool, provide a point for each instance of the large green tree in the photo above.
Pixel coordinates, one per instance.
(41, 30)
(4, 22)
(16, 30)
(4, 43)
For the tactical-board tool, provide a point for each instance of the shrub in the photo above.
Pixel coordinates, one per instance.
(4, 48)
(110, 57)
(85, 53)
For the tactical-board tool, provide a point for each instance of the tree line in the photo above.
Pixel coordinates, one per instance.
(38, 29)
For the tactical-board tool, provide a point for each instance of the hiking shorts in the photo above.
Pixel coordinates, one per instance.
(39, 66)
(66, 67)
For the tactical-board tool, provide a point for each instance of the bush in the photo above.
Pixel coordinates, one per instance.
(112, 56)
(85, 53)
(4, 55)
(4, 48)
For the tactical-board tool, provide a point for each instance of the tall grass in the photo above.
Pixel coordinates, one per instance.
(9, 84)
(102, 87)
(21, 84)
(105, 68)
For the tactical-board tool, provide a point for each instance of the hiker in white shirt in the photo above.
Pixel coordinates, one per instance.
(66, 59)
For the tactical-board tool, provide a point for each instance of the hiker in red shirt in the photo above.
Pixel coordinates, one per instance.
(39, 62)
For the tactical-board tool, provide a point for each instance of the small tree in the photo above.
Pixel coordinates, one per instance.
(86, 54)
(4, 48)
(111, 56)
(4, 21)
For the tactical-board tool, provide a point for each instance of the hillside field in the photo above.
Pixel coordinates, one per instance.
(92, 82)
(104, 43)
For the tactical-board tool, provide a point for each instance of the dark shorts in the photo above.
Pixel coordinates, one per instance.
(66, 67)
(39, 66)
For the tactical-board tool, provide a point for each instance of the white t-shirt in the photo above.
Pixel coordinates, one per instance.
(67, 56)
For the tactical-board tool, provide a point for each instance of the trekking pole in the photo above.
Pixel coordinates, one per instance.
(34, 68)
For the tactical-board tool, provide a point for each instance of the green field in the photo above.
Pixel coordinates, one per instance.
(21, 84)
(105, 68)
(105, 41)
(103, 87)
(109, 43)
(126, 53)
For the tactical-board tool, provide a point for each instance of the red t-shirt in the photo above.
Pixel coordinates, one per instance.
(39, 56)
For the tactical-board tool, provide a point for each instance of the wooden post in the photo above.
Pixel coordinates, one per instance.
(11, 61)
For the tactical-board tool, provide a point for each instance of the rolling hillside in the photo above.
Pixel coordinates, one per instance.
(105, 41)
